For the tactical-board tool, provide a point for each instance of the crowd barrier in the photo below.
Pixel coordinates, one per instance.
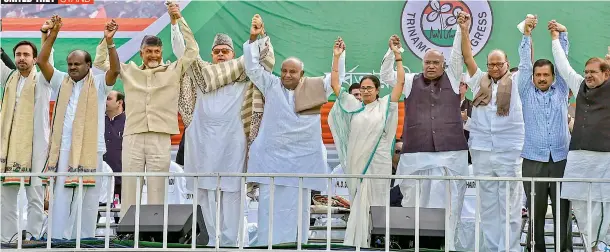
(82, 245)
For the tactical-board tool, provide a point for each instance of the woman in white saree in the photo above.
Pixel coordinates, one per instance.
(364, 134)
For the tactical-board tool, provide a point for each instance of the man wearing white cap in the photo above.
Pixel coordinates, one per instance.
(214, 109)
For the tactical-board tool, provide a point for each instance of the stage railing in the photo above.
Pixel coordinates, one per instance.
(272, 177)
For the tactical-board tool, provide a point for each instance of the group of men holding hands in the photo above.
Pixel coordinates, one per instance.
(239, 117)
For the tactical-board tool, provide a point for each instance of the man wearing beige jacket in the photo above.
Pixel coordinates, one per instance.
(151, 90)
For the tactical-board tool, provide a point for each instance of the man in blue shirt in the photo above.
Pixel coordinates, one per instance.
(544, 96)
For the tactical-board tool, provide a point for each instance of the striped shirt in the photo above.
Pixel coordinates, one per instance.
(545, 113)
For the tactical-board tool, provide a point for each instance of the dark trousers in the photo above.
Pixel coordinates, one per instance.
(543, 191)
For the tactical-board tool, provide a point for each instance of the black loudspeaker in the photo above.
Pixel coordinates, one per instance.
(402, 227)
(179, 224)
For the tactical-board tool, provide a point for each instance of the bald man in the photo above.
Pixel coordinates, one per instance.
(433, 136)
(289, 141)
(496, 140)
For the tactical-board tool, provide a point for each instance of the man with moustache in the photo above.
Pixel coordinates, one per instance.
(77, 136)
(433, 136)
(151, 89)
(218, 133)
(589, 154)
(544, 96)
(496, 140)
(113, 133)
(24, 125)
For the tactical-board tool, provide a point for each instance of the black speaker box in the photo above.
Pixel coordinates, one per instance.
(402, 227)
(179, 224)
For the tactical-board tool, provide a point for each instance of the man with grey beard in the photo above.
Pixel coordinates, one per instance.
(151, 90)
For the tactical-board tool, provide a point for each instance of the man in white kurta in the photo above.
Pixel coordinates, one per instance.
(496, 139)
(589, 156)
(433, 193)
(64, 213)
(287, 142)
(34, 190)
(216, 143)
(65, 203)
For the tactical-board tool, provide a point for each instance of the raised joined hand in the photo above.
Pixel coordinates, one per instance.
(46, 26)
(339, 47)
(111, 28)
(173, 9)
(394, 44)
(57, 23)
(464, 20)
(257, 27)
(530, 23)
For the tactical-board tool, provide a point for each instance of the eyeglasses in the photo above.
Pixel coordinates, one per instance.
(397, 151)
(218, 51)
(495, 65)
(368, 88)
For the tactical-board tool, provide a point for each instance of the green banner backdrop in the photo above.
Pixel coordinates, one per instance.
(307, 29)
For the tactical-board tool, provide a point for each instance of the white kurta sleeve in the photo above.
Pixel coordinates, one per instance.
(566, 71)
(255, 71)
(178, 46)
(475, 81)
(406, 90)
(4, 72)
(455, 64)
(387, 73)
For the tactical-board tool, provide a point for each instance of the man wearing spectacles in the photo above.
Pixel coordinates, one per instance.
(496, 139)
(433, 136)
(218, 139)
(589, 151)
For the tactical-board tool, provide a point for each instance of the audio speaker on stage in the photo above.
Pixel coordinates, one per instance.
(402, 226)
(179, 224)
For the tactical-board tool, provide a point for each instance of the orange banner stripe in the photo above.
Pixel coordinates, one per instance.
(76, 24)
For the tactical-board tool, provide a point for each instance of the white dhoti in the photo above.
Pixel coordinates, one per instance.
(285, 214)
(35, 213)
(493, 198)
(433, 193)
(229, 215)
(64, 214)
(589, 164)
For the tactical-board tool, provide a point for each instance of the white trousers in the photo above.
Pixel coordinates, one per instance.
(493, 198)
(9, 208)
(64, 214)
(600, 221)
(285, 214)
(433, 194)
(229, 216)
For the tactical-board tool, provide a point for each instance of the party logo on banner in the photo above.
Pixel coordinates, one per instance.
(432, 24)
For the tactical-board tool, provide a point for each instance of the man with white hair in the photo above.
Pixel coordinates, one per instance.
(289, 141)
(433, 136)
(151, 90)
(496, 139)
(589, 154)
(217, 140)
